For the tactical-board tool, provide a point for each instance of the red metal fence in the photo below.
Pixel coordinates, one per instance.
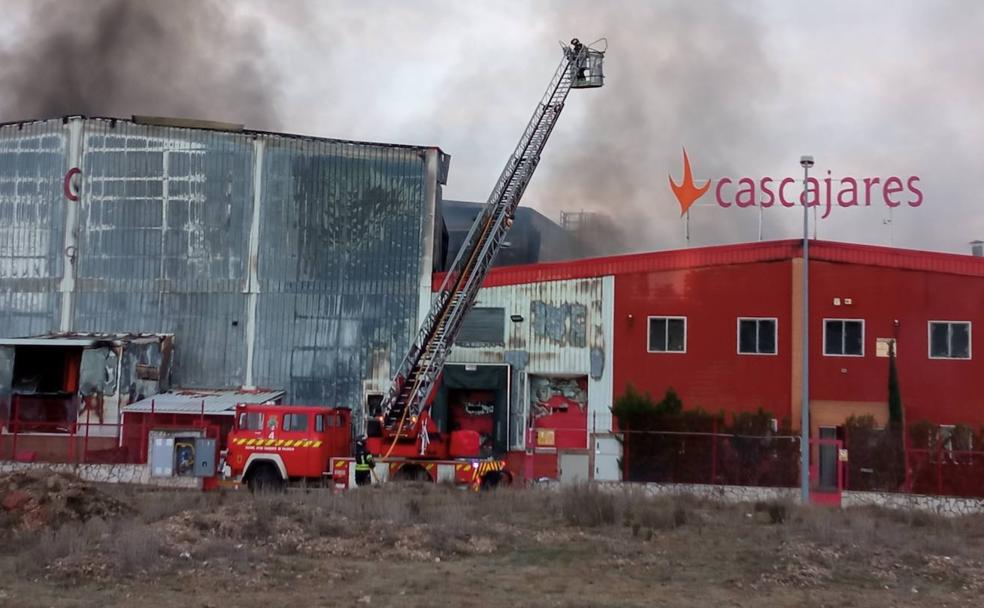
(878, 460)
(945, 472)
(87, 442)
(925, 459)
(710, 458)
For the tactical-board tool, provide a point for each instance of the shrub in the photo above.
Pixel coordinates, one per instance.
(587, 506)
(135, 547)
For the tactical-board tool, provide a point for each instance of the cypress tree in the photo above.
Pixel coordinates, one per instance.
(894, 394)
(895, 436)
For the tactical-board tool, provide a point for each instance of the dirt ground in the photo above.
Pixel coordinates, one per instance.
(67, 543)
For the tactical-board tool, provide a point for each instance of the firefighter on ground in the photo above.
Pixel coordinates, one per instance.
(364, 464)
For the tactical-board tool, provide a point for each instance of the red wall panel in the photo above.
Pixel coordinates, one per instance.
(941, 391)
(711, 374)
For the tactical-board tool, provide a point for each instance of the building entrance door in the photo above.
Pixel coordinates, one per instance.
(826, 468)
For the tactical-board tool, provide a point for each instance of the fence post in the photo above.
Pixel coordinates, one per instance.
(714, 450)
(143, 433)
(530, 455)
(845, 467)
(15, 427)
(908, 464)
(625, 453)
(939, 468)
(85, 441)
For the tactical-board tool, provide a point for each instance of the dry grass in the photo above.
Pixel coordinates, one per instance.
(580, 530)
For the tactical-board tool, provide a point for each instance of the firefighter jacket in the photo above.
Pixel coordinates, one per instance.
(364, 461)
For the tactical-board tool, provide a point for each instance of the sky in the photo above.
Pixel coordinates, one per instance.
(873, 89)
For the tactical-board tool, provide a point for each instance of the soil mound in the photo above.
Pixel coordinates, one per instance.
(37, 499)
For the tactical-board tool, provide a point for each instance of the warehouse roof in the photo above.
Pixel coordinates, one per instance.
(210, 125)
(744, 253)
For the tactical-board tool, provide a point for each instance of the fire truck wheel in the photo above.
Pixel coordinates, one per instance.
(265, 478)
(495, 479)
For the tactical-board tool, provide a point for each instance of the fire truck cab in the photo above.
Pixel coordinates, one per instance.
(270, 445)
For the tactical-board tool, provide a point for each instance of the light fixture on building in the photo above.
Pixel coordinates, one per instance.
(516, 318)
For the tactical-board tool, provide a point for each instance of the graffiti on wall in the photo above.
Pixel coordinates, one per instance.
(566, 324)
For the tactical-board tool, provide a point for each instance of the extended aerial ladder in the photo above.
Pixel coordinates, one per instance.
(404, 412)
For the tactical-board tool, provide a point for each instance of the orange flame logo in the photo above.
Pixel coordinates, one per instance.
(687, 192)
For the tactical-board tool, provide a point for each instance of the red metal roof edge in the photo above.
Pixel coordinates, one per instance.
(723, 255)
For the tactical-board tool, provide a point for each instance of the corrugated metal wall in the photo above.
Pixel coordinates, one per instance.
(565, 331)
(341, 245)
(168, 219)
(164, 221)
(32, 165)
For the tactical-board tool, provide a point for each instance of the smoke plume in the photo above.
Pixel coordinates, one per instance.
(677, 76)
(183, 58)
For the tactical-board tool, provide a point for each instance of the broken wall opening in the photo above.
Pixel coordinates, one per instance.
(44, 384)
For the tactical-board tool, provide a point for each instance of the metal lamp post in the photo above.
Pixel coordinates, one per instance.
(806, 162)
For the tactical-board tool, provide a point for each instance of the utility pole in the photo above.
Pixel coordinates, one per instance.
(806, 162)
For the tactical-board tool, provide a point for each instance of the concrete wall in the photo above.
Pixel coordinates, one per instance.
(107, 473)
(947, 506)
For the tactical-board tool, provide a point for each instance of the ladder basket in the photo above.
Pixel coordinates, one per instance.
(592, 74)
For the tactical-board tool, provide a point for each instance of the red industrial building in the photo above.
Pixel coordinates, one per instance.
(721, 325)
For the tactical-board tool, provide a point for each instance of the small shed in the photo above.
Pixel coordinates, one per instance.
(190, 408)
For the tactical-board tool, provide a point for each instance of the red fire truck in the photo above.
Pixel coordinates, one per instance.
(271, 445)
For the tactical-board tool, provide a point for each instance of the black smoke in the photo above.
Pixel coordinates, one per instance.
(182, 58)
(678, 75)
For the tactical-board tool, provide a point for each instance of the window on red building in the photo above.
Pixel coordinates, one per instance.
(756, 336)
(667, 334)
(949, 340)
(843, 337)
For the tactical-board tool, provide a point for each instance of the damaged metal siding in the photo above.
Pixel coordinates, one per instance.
(32, 165)
(561, 325)
(161, 235)
(341, 247)
(341, 233)
(565, 331)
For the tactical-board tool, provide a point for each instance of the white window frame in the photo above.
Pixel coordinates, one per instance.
(970, 340)
(864, 333)
(668, 318)
(738, 336)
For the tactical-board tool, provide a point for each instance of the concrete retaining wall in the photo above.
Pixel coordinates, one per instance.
(722, 493)
(949, 506)
(107, 473)
(939, 505)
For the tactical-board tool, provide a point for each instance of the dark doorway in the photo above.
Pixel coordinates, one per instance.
(828, 459)
(476, 398)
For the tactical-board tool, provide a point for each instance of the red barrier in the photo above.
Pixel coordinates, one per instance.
(101, 443)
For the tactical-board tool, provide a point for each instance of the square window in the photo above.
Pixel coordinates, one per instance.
(949, 340)
(667, 334)
(843, 337)
(757, 336)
